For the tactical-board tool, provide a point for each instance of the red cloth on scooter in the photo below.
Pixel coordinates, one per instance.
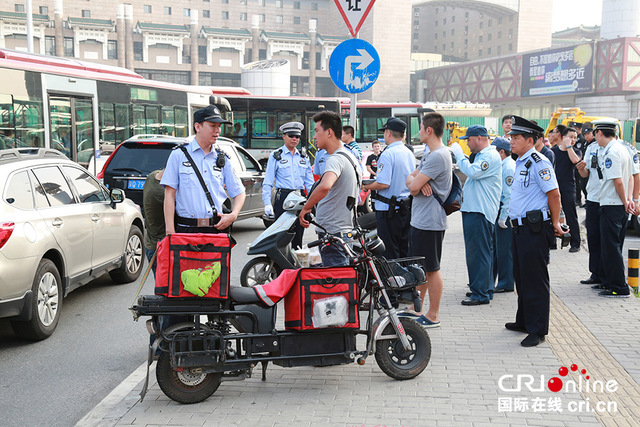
(272, 292)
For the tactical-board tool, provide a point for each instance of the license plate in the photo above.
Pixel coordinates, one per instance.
(135, 184)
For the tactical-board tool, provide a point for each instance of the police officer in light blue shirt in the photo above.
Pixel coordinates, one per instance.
(289, 170)
(503, 261)
(481, 201)
(319, 162)
(393, 201)
(534, 211)
(186, 208)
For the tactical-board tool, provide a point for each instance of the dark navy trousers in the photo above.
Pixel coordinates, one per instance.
(478, 244)
(530, 256)
(592, 223)
(613, 225)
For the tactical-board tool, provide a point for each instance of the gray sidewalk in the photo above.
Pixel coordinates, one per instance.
(472, 378)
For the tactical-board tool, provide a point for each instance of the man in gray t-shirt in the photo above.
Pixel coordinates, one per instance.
(339, 181)
(332, 212)
(426, 212)
(428, 219)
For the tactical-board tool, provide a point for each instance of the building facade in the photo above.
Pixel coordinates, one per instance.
(471, 30)
(208, 42)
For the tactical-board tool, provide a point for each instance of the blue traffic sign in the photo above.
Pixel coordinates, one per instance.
(354, 65)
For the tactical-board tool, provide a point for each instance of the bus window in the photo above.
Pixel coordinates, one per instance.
(413, 134)
(153, 119)
(138, 120)
(182, 122)
(168, 121)
(239, 130)
(21, 113)
(84, 130)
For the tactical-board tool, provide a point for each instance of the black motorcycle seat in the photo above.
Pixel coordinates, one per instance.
(244, 295)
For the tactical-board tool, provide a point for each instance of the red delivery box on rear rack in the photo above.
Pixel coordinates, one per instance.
(194, 265)
(322, 298)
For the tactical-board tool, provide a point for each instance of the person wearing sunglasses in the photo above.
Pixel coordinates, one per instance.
(288, 169)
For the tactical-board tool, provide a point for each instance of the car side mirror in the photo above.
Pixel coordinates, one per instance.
(116, 195)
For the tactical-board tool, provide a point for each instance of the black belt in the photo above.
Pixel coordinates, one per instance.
(288, 190)
(197, 222)
(524, 221)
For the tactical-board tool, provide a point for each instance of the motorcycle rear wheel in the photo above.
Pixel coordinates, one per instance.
(398, 363)
(259, 271)
(187, 385)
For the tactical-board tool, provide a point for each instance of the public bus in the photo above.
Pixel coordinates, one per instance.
(371, 116)
(257, 119)
(81, 108)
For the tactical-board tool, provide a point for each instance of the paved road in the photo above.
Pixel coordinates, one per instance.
(470, 380)
(96, 345)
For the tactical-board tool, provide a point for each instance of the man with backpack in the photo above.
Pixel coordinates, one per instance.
(431, 181)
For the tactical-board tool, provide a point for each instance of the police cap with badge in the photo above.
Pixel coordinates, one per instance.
(209, 114)
(522, 126)
(292, 128)
(605, 124)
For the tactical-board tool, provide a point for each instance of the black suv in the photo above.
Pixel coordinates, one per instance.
(133, 160)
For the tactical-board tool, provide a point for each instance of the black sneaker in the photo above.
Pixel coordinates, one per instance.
(609, 293)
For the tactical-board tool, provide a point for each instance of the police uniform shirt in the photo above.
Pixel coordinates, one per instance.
(320, 162)
(482, 190)
(633, 154)
(395, 164)
(508, 172)
(179, 174)
(291, 172)
(593, 182)
(615, 163)
(534, 178)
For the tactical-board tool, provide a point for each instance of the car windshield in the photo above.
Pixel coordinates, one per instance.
(140, 158)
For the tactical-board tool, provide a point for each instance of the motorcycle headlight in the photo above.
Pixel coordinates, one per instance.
(376, 246)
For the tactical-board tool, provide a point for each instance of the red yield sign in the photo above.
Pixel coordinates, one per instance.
(354, 12)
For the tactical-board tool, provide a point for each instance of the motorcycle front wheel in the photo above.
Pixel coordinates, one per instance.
(401, 364)
(259, 271)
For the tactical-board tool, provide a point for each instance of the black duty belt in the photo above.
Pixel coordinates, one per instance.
(197, 222)
(288, 190)
(522, 222)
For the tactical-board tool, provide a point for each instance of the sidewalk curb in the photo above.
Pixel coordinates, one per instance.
(117, 403)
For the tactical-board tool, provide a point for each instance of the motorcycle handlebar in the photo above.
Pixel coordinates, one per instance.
(314, 243)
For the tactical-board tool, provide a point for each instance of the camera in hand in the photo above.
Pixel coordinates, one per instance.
(565, 239)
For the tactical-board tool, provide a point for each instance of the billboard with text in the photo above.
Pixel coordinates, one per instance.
(558, 71)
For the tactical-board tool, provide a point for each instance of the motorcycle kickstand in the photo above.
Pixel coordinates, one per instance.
(264, 369)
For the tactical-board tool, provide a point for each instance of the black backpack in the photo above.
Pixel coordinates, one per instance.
(453, 202)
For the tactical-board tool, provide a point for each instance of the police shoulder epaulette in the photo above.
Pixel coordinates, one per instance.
(536, 157)
(277, 154)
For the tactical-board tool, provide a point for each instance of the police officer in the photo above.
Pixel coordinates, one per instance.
(588, 169)
(581, 144)
(319, 162)
(288, 169)
(393, 201)
(186, 207)
(615, 166)
(503, 260)
(481, 202)
(534, 212)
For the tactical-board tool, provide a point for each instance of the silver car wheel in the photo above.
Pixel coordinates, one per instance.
(133, 254)
(47, 299)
